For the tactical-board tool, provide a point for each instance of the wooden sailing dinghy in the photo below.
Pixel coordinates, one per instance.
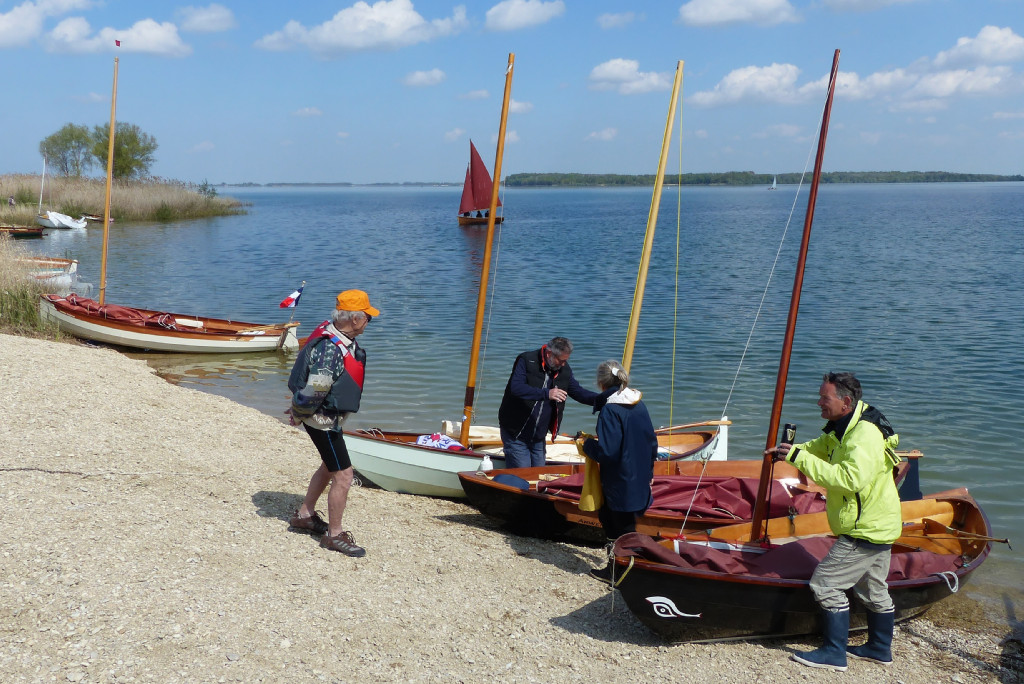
(687, 495)
(718, 586)
(475, 206)
(155, 330)
(752, 579)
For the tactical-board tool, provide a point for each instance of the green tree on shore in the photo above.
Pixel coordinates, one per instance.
(133, 149)
(69, 150)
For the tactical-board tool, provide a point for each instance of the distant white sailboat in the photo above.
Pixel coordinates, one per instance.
(774, 185)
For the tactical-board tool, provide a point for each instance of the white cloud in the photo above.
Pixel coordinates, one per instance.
(145, 36)
(475, 95)
(604, 134)
(700, 134)
(1008, 115)
(610, 21)
(385, 25)
(862, 5)
(307, 111)
(992, 45)
(775, 83)
(624, 76)
(718, 12)
(520, 107)
(510, 137)
(211, 19)
(980, 81)
(421, 79)
(204, 146)
(510, 15)
(342, 134)
(454, 134)
(24, 23)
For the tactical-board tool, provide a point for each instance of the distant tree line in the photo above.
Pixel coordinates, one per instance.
(746, 178)
(74, 150)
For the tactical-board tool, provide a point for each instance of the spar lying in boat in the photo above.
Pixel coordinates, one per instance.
(719, 586)
(160, 330)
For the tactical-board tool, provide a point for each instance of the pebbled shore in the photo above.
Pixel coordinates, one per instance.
(143, 537)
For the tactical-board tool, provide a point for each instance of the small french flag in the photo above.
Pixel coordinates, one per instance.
(291, 300)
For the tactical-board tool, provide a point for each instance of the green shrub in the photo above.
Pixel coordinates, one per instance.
(163, 212)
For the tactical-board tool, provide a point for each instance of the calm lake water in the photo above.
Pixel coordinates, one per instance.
(916, 288)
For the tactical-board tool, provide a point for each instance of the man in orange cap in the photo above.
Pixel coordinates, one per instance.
(327, 384)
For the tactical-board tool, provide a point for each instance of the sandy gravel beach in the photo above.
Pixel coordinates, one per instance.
(144, 538)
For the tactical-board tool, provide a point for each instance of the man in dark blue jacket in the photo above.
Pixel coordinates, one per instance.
(534, 401)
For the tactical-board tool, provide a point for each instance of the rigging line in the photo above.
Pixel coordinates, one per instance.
(771, 273)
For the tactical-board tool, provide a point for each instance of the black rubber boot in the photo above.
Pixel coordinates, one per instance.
(879, 645)
(832, 654)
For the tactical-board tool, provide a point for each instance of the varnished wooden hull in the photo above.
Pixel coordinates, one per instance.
(548, 515)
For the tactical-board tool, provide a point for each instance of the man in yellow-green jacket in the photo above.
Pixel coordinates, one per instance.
(853, 460)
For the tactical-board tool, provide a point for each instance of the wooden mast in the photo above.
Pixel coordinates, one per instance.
(481, 302)
(760, 506)
(652, 221)
(106, 199)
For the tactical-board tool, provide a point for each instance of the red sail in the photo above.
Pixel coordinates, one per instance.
(476, 193)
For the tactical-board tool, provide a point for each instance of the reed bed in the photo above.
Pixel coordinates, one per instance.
(153, 199)
(19, 296)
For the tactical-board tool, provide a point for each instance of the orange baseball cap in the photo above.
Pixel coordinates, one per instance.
(356, 300)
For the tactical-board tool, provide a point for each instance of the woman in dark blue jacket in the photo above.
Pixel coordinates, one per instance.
(626, 448)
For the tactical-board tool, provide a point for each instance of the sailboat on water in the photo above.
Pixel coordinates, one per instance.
(752, 579)
(156, 330)
(774, 185)
(475, 206)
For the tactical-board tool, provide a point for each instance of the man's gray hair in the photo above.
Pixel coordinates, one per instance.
(559, 346)
(339, 317)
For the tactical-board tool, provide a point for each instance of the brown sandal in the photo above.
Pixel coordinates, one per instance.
(313, 523)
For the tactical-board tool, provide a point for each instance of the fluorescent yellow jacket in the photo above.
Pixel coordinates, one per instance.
(862, 500)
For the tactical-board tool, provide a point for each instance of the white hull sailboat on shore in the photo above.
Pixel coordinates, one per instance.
(154, 330)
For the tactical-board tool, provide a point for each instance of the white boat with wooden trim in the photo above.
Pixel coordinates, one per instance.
(155, 330)
(56, 273)
(160, 330)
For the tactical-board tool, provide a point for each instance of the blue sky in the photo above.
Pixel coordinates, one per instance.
(391, 91)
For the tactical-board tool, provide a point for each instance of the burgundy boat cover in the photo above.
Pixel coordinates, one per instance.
(121, 314)
(716, 498)
(795, 560)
